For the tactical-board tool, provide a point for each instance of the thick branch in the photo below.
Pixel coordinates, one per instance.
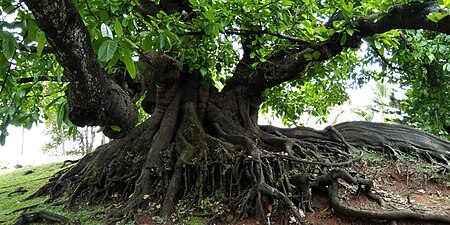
(410, 16)
(286, 66)
(94, 99)
(24, 80)
(147, 7)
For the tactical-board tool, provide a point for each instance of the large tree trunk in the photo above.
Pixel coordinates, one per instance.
(199, 141)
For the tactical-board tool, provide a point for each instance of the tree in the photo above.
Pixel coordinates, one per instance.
(205, 70)
(70, 140)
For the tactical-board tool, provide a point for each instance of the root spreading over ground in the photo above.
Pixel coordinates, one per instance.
(251, 174)
(200, 141)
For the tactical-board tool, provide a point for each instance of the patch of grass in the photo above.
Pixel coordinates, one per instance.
(9, 182)
(195, 220)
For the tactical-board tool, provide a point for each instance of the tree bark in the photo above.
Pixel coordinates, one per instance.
(94, 99)
(199, 140)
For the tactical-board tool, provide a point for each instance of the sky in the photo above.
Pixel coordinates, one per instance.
(32, 141)
(24, 147)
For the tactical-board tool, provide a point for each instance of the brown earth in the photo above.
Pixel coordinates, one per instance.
(406, 185)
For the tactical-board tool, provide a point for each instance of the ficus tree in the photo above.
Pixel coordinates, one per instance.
(203, 70)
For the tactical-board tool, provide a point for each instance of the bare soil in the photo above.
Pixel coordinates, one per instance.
(402, 186)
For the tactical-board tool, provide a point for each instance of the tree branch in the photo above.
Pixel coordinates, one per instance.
(33, 49)
(147, 7)
(409, 16)
(286, 66)
(94, 99)
(24, 80)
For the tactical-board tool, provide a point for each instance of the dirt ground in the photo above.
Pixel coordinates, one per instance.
(401, 185)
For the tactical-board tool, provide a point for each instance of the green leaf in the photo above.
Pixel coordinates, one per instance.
(106, 31)
(52, 102)
(204, 71)
(430, 56)
(118, 28)
(41, 42)
(2, 139)
(66, 116)
(377, 44)
(308, 57)
(9, 45)
(194, 2)
(316, 54)
(350, 32)
(436, 16)
(115, 128)
(343, 39)
(209, 29)
(129, 63)
(446, 3)
(348, 7)
(147, 43)
(107, 50)
(310, 30)
(61, 114)
(131, 43)
(160, 41)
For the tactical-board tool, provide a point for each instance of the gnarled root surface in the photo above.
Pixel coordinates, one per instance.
(250, 174)
(40, 216)
(331, 180)
(197, 143)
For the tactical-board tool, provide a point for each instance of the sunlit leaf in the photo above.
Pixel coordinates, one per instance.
(129, 63)
(107, 50)
(9, 44)
(160, 41)
(106, 31)
(115, 128)
(118, 28)
(61, 114)
(41, 42)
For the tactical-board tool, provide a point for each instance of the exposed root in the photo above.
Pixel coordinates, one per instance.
(19, 190)
(174, 159)
(40, 216)
(331, 180)
(69, 162)
(268, 190)
(23, 209)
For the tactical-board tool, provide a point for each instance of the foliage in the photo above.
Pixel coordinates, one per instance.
(65, 141)
(417, 61)
(32, 84)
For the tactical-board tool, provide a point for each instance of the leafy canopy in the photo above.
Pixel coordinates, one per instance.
(209, 39)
